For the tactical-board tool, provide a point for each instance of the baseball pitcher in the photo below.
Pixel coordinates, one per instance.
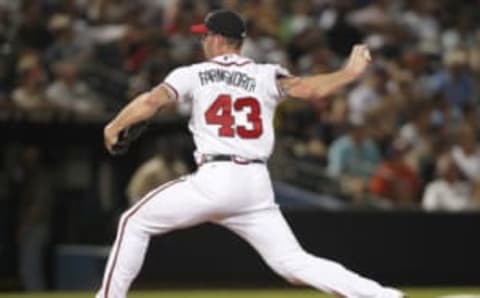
(233, 102)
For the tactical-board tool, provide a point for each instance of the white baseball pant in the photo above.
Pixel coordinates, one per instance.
(239, 197)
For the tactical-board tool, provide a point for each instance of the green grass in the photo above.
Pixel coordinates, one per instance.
(285, 293)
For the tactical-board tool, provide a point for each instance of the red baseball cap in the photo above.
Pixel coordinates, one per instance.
(223, 22)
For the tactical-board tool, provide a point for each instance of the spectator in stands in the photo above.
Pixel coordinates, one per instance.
(66, 45)
(413, 132)
(416, 133)
(266, 15)
(159, 62)
(262, 47)
(466, 154)
(298, 21)
(449, 192)
(394, 179)
(151, 174)
(136, 43)
(353, 159)
(367, 95)
(415, 66)
(455, 82)
(420, 20)
(29, 95)
(471, 118)
(183, 44)
(461, 30)
(153, 70)
(446, 119)
(70, 94)
(35, 205)
(155, 171)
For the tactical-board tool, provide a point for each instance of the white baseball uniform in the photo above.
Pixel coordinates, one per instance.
(233, 101)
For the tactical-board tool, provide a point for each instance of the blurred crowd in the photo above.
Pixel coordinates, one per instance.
(406, 133)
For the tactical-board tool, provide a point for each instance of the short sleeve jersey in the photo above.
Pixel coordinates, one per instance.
(233, 101)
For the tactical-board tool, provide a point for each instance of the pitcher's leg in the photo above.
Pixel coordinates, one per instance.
(171, 206)
(130, 248)
(268, 232)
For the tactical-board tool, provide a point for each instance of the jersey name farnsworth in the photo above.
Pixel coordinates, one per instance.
(233, 103)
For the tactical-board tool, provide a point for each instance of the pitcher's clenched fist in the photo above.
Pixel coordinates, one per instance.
(359, 60)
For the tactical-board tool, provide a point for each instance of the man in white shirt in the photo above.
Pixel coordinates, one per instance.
(448, 192)
(233, 102)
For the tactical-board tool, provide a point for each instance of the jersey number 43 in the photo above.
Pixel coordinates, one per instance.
(221, 113)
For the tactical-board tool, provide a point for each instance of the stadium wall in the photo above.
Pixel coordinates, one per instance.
(401, 248)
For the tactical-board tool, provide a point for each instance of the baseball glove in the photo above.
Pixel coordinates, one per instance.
(127, 136)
